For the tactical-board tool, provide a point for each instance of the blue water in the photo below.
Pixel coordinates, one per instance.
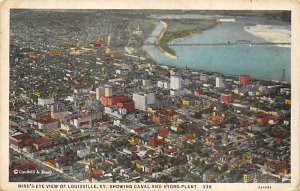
(258, 61)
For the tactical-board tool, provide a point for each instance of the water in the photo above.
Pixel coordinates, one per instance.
(258, 61)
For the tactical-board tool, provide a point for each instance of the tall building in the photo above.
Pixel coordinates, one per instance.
(220, 82)
(108, 92)
(175, 83)
(139, 101)
(142, 100)
(100, 91)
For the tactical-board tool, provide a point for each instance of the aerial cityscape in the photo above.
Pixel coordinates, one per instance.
(143, 96)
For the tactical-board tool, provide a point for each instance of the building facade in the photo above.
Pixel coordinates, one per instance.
(100, 91)
(45, 101)
(141, 100)
(175, 83)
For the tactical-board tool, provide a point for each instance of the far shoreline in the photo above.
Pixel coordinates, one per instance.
(271, 33)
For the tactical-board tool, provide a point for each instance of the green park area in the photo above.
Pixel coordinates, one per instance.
(179, 28)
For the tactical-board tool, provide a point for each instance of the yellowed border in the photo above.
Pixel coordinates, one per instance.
(292, 5)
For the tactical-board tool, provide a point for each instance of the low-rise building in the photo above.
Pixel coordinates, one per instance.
(45, 101)
(46, 122)
(41, 143)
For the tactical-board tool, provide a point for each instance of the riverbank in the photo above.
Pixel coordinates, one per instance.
(170, 53)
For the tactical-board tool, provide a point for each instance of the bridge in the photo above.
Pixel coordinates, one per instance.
(239, 42)
(242, 42)
(236, 43)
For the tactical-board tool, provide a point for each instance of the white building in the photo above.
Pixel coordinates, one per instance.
(220, 82)
(116, 112)
(180, 92)
(163, 84)
(45, 101)
(166, 85)
(175, 82)
(141, 100)
(81, 121)
(160, 84)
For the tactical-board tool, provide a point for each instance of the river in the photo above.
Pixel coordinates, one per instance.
(264, 62)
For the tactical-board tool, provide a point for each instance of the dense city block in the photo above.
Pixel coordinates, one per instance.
(88, 104)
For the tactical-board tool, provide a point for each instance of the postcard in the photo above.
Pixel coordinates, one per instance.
(150, 95)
